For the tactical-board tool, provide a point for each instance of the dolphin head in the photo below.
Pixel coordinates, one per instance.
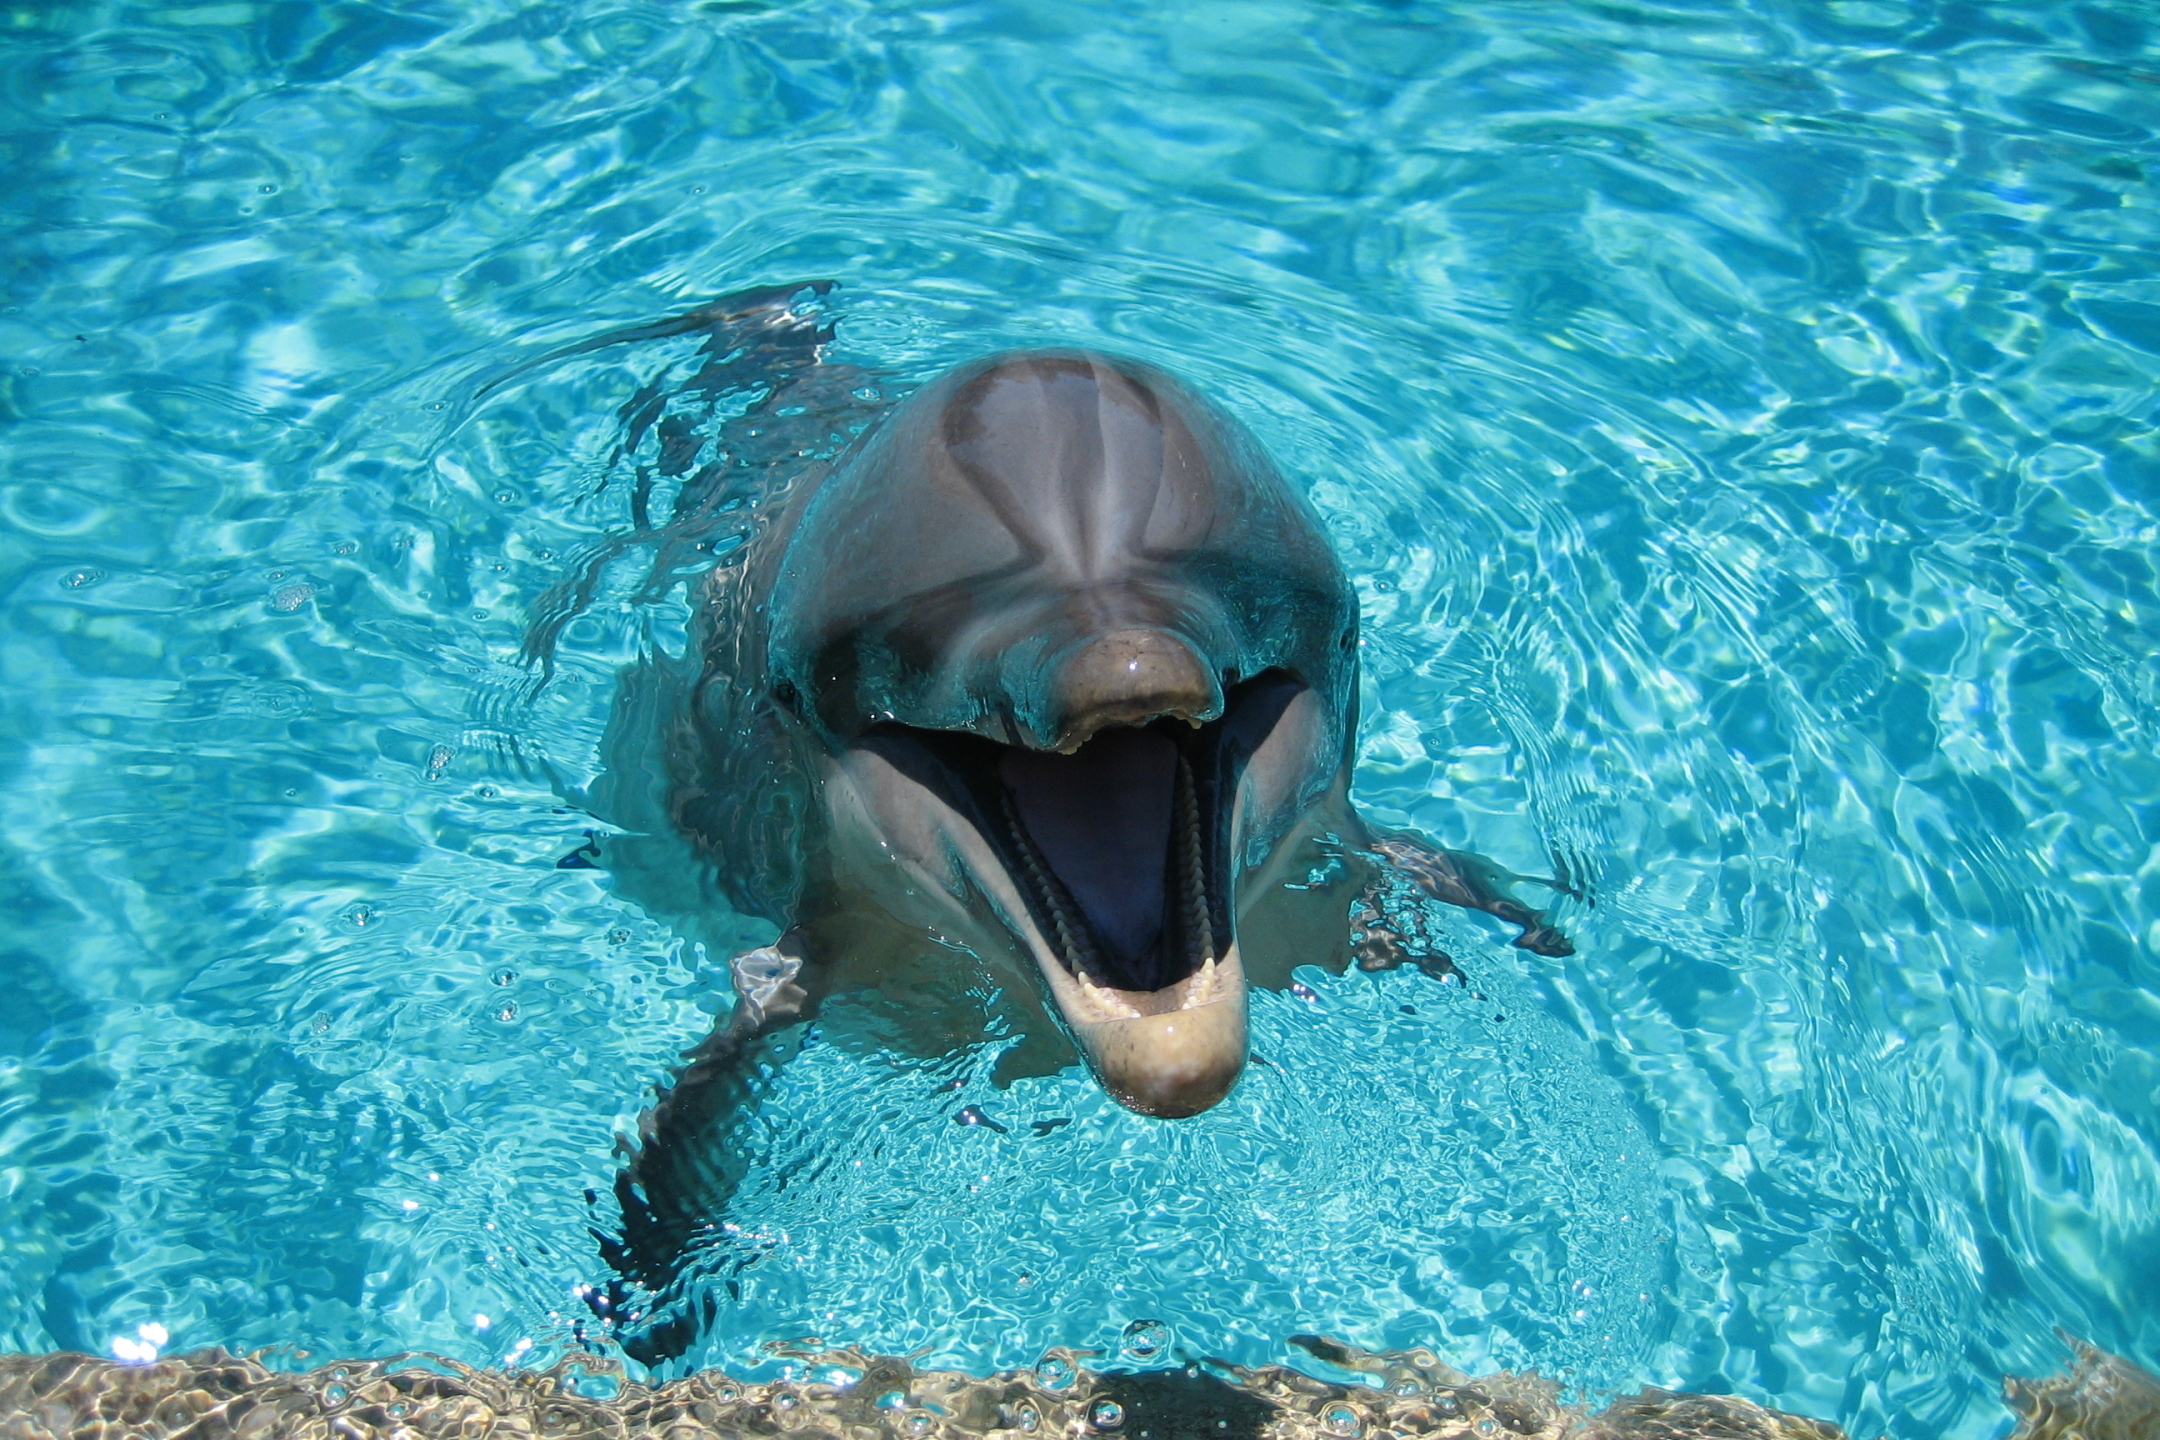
(1080, 659)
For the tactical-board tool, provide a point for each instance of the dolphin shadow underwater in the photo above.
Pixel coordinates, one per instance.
(1041, 688)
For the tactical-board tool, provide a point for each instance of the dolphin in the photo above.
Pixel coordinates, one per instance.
(1049, 674)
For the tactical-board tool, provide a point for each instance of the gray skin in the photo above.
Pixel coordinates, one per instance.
(1043, 690)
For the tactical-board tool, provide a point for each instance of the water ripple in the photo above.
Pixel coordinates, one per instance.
(1737, 419)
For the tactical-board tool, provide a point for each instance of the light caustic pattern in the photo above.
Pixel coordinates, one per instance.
(1736, 416)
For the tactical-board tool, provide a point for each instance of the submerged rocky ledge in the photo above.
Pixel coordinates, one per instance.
(210, 1394)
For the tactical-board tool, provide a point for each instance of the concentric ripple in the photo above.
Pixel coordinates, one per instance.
(1737, 416)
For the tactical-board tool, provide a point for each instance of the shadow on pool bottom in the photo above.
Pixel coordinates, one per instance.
(1411, 1396)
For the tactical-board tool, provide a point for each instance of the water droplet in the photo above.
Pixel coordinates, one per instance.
(783, 1402)
(1407, 1387)
(1029, 1417)
(360, 916)
(892, 1400)
(727, 1394)
(267, 189)
(504, 976)
(1343, 1420)
(506, 1012)
(1446, 1405)
(1145, 1339)
(1053, 1372)
(334, 1395)
(1106, 1415)
(505, 497)
(81, 579)
(918, 1422)
(399, 1409)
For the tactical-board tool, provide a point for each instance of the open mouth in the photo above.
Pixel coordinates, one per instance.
(1120, 849)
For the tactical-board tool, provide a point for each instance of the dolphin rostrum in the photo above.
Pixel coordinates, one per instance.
(1052, 669)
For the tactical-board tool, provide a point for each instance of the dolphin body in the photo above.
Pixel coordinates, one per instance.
(1051, 676)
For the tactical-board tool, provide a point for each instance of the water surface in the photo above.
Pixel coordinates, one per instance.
(1738, 419)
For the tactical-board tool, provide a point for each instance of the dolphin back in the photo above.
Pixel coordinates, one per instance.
(1018, 510)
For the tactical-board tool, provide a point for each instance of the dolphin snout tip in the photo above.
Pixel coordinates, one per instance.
(1128, 677)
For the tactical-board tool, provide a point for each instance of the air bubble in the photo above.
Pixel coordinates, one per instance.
(1106, 1415)
(1053, 1372)
(618, 937)
(1029, 1417)
(504, 976)
(918, 1422)
(361, 916)
(1145, 1339)
(81, 579)
(1343, 1420)
(507, 1011)
(334, 1395)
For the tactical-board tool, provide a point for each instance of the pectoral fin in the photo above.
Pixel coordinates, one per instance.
(1457, 877)
(688, 1159)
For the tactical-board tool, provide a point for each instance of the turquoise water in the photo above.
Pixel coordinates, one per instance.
(1738, 419)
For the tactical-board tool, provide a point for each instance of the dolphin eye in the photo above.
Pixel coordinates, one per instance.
(785, 693)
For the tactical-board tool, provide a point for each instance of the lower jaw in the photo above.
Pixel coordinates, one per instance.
(1179, 1054)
